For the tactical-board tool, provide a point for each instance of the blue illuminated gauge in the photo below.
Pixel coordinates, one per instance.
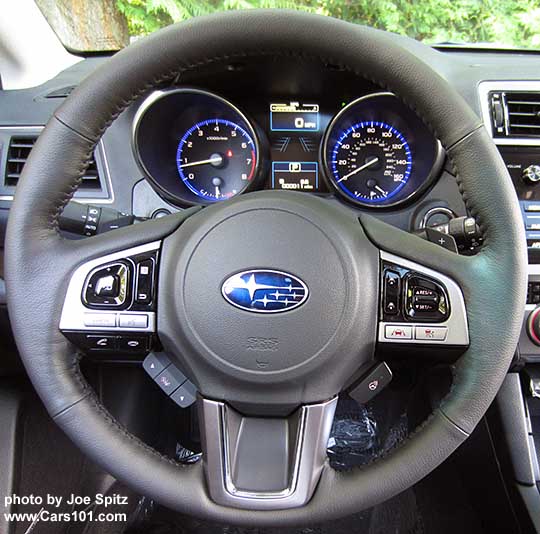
(370, 163)
(216, 159)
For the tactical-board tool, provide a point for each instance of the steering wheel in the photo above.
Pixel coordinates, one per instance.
(283, 409)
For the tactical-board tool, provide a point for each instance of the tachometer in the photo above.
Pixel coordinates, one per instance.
(216, 159)
(195, 147)
(371, 161)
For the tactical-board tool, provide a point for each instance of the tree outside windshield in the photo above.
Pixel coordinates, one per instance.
(99, 25)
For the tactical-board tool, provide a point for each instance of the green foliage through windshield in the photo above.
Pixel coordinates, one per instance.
(111, 24)
(503, 22)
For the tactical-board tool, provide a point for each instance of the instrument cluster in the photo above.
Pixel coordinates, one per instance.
(196, 147)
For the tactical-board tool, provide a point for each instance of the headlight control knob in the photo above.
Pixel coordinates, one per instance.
(533, 326)
(531, 174)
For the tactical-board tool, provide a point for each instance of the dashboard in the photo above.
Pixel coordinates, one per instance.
(304, 126)
(198, 147)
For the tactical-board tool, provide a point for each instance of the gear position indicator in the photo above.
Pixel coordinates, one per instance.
(295, 175)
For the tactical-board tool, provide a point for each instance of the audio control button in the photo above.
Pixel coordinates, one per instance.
(392, 290)
(107, 286)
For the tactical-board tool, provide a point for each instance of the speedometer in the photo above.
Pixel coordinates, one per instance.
(371, 161)
(378, 154)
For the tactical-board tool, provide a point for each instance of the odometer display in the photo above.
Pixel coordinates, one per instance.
(371, 162)
(216, 159)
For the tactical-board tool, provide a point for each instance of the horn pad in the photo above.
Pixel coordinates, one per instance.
(270, 299)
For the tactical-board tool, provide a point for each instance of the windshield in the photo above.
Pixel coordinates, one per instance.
(108, 25)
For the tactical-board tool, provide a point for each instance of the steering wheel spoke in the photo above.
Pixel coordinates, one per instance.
(420, 306)
(110, 303)
(264, 463)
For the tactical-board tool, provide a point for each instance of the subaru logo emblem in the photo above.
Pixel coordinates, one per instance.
(264, 291)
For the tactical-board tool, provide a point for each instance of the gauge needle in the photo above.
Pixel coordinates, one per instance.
(380, 190)
(365, 166)
(217, 160)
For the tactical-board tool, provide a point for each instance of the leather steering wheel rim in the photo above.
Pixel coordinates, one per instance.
(39, 261)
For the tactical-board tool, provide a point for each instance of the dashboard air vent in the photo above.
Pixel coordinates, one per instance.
(523, 113)
(515, 113)
(18, 152)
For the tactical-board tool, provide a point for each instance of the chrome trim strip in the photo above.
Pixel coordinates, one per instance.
(484, 88)
(74, 310)
(458, 328)
(22, 127)
(229, 484)
(309, 458)
(533, 270)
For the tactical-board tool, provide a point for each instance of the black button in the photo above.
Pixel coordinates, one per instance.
(108, 286)
(155, 362)
(377, 379)
(185, 395)
(134, 343)
(392, 285)
(425, 300)
(145, 278)
(170, 379)
(422, 306)
(424, 292)
(94, 342)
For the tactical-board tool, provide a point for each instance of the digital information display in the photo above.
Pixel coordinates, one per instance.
(295, 175)
(294, 117)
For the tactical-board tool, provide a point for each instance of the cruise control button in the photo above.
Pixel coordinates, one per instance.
(133, 321)
(185, 395)
(424, 292)
(100, 319)
(425, 300)
(170, 379)
(398, 332)
(430, 333)
(424, 306)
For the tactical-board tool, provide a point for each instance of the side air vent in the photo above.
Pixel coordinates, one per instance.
(515, 113)
(18, 152)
